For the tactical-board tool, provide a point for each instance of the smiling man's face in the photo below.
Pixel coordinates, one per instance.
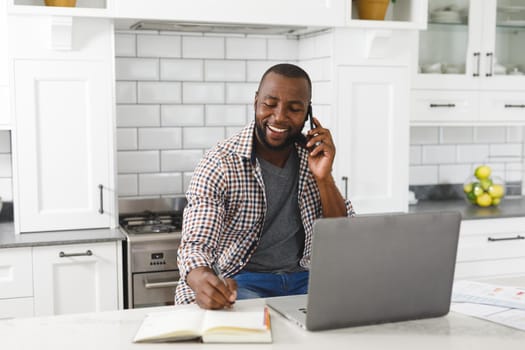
(280, 110)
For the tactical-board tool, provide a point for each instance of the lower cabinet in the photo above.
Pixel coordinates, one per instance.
(60, 279)
(491, 248)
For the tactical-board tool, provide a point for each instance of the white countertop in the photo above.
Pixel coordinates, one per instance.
(116, 329)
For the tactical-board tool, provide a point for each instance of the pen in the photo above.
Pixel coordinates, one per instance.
(218, 273)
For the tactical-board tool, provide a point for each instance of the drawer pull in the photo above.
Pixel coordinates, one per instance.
(448, 105)
(477, 59)
(65, 255)
(490, 239)
(514, 106)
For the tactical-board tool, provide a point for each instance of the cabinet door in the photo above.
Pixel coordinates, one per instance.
(75, 278)
(292, 12)
(372, 137)
(503, 106)
(15, 273)
(63, 120)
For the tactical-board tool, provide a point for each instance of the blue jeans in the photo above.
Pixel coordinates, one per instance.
(266, 284)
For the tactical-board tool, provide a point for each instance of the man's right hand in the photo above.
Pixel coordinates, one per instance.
(211, 292)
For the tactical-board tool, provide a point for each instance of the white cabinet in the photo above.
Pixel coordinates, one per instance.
(63, 136)
(63, 109)
(5, 118)
(75, 278)
(491, 248)
(475, 46)
(372, 146)
(290, 12)
(16, 283)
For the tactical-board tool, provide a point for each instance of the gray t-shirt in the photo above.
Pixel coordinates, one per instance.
(281, 243)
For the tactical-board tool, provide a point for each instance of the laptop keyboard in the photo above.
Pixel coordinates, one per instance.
(303, 310)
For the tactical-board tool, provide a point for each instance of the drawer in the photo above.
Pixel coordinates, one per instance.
(502, 106)
(490, 268)
(491, 246)
(20, 307)
(444, 106)
(16, 273)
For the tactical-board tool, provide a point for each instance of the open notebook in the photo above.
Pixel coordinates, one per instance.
(244, 323)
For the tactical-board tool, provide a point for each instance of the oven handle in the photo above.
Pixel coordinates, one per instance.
(152, 285)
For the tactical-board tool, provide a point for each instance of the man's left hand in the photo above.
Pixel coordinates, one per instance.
(322, 151)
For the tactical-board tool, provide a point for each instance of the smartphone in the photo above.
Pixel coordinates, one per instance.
(309, 113)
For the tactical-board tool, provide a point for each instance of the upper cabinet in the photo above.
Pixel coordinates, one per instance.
(5, 117)
(471, 63)
(401, 14)
(290, 12)
(82, 8)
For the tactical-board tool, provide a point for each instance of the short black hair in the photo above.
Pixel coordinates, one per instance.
(288, 70)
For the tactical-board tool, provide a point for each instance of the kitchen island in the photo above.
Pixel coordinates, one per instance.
(116, 330)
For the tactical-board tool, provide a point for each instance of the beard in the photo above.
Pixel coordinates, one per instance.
(260, 131)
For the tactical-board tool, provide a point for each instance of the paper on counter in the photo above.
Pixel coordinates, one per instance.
(489, 294)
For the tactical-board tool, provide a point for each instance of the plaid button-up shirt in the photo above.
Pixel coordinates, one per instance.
(226, 209)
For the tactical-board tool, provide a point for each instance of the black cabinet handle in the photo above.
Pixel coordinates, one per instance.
(514, 106)
(477, 58)
(490, 239)
(447, 105)
(65, 255)
(491, 63)
(101, 208)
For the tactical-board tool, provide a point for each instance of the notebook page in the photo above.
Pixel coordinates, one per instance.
(176, 322)
(240, 317)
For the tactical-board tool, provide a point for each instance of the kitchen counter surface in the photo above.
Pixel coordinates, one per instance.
(8, 239)
(509, 208)
(116, 329)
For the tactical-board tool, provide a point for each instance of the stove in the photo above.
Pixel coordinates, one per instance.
(153, 231)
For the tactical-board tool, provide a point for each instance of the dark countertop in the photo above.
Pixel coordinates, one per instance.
(508, 208)
(8, 238)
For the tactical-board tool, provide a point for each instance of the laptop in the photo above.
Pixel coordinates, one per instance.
(376, 268)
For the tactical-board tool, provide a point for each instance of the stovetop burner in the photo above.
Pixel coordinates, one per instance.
(148, 222)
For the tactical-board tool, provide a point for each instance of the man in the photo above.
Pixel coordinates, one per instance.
(254, 197)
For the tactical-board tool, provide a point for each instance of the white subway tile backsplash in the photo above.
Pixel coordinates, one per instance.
(318, 69)
(203, 47)
(5, 165)
(283, 49)
(128, 185)
(245, 48)
(6, 189)
(515, 134)
(138, 115)
(181, 69)
(240, 92)
(506, 150)
(256, 69)
(137, 68)
(138, 162)
(222, 70)
(202, 137)
(306, 48)
(125, 45)
(424, 135)
(217, 115)
(472, 153)
(454, 174)
(126, 92)
(415, 155)
(322, 93)
(457, 134)
(5, 141)
(180, 160)
(160, 184)
(126, 139)
(203, 93)
(160, 138)
(158, 46)
(439, 154)
(490, 134)
(182, 115)
(159, 92)
(186, 181)
(423, 175)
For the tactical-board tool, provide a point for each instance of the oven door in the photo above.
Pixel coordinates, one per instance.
(154, 288)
